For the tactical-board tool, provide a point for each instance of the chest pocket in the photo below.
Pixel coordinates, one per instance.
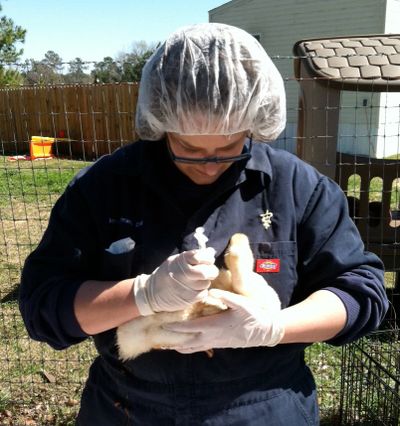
(276, 262)
(117, 264)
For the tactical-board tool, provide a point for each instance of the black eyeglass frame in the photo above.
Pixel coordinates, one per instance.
(205, 160)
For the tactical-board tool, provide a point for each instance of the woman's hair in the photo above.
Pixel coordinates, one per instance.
(210, 79)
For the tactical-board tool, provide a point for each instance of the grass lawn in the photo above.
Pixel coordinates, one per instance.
(375, 190)
(41, 386)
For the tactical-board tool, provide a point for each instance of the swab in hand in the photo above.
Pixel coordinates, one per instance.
(200, 237)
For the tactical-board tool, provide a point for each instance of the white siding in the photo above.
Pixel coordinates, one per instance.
(388, 141)
(281, 23)
(392, 24)
(358, 123)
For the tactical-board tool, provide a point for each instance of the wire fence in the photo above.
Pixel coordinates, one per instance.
(49, 132)
(370, 380)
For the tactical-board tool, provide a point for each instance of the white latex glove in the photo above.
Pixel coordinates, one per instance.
(244, 324)
(179, 282)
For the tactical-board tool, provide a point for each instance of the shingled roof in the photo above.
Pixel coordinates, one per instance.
(364, 62)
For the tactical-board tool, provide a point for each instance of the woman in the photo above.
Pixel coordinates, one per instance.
(120, 244)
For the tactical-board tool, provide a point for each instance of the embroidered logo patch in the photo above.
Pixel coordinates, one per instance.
(266, 219)
(268, 265)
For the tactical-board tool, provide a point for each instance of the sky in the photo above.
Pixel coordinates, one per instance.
(93, 29)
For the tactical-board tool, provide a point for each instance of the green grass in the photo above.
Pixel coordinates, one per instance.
(325, 363)
(376, 187)
(27, 192)
(35, 182)
(375, 190)
(39, 386)
(393, 157)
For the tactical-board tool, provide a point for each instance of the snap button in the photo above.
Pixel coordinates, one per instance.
(265, 247)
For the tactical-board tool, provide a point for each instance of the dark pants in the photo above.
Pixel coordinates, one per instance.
(246, 402)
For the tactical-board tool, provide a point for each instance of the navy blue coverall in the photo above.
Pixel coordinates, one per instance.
(138, 192)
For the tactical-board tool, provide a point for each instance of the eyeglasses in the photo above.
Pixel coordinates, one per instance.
(188, 160)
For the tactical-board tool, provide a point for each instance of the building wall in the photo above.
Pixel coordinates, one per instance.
(281, 23)
(392, 18)
(359, 123)
(372, 124)
(388, 142)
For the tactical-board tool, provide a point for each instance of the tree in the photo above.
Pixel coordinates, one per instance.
(76, 72)
(46, 71)
(106, 71)
(10, 36)
(126, 67)
(53, 61)
(77, 66)
(10, 77)
(133, 62)
(42, 72)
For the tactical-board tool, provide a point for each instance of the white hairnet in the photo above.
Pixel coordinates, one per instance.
(210, 79)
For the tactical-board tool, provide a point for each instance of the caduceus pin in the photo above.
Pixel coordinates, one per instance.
(266, 219)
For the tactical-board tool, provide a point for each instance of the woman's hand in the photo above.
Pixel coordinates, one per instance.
(180, 281)
(243, 324)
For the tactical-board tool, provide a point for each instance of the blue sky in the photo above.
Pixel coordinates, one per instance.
(93, 29)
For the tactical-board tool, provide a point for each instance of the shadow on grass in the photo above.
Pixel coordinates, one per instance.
(12, 296)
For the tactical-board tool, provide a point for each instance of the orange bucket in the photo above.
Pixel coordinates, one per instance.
(41, 147)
